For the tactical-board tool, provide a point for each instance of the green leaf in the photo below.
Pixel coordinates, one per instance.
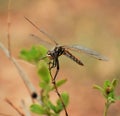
(65, 98)
(114, 83)
(52, 106)
(34, 54)
(111, 94)
(59, 107)
(45, 86)
(106, 84)
(59, 83)
(98, 88)
(37, 109)
(42, 85)
(25, 55)
(111, 100)
(44, 72)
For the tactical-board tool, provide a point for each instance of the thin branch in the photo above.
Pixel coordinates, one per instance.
(9, 25)
(23, 75)
(3, 114)
(31, 89)
(58, 93)
(14, 107)
(27, 112)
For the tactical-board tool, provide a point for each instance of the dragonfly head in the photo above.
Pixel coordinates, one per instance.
(50, 54)
(56, 52)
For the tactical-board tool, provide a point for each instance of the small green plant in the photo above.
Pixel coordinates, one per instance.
(108, 91)
(46, 107)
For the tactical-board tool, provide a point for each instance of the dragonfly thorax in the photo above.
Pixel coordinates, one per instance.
(56, 52)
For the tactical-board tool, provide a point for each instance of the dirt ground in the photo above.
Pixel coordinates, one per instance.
(94, 24)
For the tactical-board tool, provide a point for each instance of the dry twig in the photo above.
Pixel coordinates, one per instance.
(9, 24)
(26, 111)
(14, 107)
(31, 89)
(3, 114)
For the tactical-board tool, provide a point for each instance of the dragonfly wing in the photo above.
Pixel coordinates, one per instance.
(40, 30)
(88, 51)
(39, 40)
(49, 36)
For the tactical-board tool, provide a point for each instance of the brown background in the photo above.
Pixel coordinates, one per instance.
(92, 23)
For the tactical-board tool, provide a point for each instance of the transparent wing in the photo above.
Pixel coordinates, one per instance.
(40, 30)
(88, 51)
(39, 40)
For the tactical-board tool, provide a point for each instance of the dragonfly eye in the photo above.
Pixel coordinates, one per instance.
(49, 53)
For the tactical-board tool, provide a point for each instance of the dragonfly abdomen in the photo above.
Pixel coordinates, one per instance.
(72, 57)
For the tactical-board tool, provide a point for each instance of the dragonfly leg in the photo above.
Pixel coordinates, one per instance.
(53, 64)
(57, 68)
(50, 65)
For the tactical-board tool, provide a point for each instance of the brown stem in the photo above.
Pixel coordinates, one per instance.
(14, 107)
(58, 93)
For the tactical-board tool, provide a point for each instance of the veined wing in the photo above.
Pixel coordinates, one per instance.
(88, 51)
(44, 42)
(49, 36)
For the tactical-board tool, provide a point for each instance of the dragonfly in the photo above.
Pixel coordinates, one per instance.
(59, 50)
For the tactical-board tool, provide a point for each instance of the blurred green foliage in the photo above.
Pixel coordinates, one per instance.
(47, 107)
(108, 91)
